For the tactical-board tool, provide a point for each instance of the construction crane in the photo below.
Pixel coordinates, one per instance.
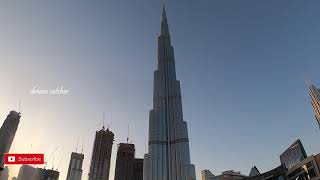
(46, 162)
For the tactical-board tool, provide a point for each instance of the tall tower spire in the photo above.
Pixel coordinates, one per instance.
(169, 155)
(164, 22)
(164, 14)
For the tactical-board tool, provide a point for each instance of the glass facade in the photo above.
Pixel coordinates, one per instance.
(293, 155)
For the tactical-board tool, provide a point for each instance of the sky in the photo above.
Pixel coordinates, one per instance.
(243, 67)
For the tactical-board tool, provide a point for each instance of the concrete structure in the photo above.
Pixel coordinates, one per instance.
(277, 173)
(206, 175)
(46, 174)
(315, 101)
(293, 155)
(226, 175)
(138, 169)
(27, 172)
(309, 168)
(125, 162)
(127, 166)
(7, 133)
(75, 166)
(4, 174)
(169, 155)
(101, 155)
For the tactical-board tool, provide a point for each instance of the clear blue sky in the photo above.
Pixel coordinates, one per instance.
(242, 67)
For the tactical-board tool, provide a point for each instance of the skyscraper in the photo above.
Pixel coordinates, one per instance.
(315, 101)
(27, 172)
(125, 162)
(101, 155)
(169, 156)
(127, 166)
(75, 166)
(7, 133)
(46, 174)
(138, 169)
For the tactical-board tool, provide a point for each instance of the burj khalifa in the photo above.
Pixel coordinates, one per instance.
(168, 155)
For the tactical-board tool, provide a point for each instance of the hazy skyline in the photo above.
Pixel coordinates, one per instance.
(241, 65)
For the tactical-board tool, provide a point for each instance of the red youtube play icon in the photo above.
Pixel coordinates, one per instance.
(24, 158)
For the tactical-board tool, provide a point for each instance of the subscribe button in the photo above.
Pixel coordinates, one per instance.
(24, 158)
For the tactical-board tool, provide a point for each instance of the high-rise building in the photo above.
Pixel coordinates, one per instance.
(138, 169)
(7, 133)
(168, 155)
(125, 162)
(75, 166)
(127, 166)
(46, 174)
(293, 155)
(4, 174)
(101, 155)
(315, 101)
(27, 172)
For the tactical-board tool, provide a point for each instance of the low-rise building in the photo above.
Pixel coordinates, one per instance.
(306, 169)
(277, 173)
(226, 175)
(293, 155)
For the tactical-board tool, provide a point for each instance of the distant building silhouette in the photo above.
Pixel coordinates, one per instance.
(125, 162)
(127, 166)
(138, 169)
(315, 101)
(7, 133)
(293, 155)
(47, 174)
(4, 174)
(75, 166)
(101, 155)
(27, 172)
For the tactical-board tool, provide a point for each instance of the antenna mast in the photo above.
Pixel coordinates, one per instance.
(128, 133)
(19, 107)
(59, 164)
(109, 125)
(82, 146)
(77, 145)
(103, 120)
